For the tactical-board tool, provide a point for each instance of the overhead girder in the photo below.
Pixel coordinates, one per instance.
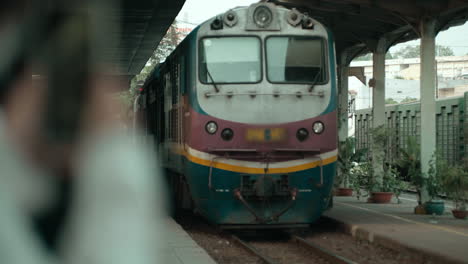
(357, 22)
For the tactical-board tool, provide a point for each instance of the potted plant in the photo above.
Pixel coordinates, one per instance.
(347, 159)
(389, 186)
(361, 175)
(455, 185)
(433, 186)
(410, 164)
(380, 187)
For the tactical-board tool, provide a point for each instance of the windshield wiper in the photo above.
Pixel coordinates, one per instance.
(212, 80)
(315, 80)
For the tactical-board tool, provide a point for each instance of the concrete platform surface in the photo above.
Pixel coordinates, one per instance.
(440, 239)
(180, 248)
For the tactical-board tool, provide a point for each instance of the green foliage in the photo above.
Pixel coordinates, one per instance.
(444, 51)
(415, 51)
(366, 57)
(347, 158)
(409, 100)
(433, 181)
(410, 162)
(400, 186)
(390, 101)
(362, 178)
(454, 182)
(166, 46)
(380, 136)
(390, 181)
(408, 52)
(164, 49)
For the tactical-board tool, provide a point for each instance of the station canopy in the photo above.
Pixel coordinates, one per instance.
(358, 24)
(143, 24)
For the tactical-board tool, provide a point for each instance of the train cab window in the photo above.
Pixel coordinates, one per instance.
(230, 60)
(296, 59)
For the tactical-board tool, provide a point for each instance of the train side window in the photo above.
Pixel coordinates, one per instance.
(167, 104)
(182, 76)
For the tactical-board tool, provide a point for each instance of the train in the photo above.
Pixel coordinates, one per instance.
(243, 114)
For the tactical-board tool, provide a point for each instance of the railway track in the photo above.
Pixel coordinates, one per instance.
(299, 250)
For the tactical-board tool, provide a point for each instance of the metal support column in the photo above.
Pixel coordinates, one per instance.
(428, 105)
(378, 105)
(343, 73)
(343, 98)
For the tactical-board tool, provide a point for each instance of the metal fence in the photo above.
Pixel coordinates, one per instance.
(405, 120)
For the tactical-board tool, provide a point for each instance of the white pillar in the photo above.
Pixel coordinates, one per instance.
(378, 105)
(428, 105)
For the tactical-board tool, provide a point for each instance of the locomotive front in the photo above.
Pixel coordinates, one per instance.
(262, 145)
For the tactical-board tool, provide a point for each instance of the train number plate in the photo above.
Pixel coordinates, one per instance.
(266, 134)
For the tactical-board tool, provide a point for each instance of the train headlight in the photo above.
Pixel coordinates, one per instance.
(302, 134)
(263, 16)
(318, 127)
(227, 134)
(211, 127)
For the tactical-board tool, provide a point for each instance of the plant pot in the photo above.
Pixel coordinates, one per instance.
(435, 207)
(344, 192)
(420, 210)
(381, 197)
(460, 214)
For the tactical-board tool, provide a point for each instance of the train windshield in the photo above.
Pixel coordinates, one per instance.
(296, 59)
(230, 60)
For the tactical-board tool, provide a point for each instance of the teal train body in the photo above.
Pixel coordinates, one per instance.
(244, 116)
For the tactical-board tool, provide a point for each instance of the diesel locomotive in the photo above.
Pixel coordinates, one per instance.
(243, 114)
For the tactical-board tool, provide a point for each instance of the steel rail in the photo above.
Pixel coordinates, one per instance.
(327, 255)
(253, 250)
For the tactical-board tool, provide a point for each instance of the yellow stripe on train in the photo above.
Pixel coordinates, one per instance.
(242, 169)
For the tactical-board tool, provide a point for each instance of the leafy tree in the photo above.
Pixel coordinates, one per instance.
(444, 51)
(366, 57)
(390, 101)
(166, 46)
(409, 100)
(164, 49)
(408, 52)
(415, 51)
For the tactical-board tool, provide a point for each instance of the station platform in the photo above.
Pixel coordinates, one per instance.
(437, 239)
(180, 248)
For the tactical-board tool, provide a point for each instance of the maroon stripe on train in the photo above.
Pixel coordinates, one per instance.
(197, 137)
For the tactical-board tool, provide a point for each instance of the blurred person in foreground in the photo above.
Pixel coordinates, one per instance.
(107, 211)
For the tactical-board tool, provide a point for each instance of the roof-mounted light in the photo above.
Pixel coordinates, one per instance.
(217, 23)
(294, 17)
(307, 22)
(263, 16)
(230, 18)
